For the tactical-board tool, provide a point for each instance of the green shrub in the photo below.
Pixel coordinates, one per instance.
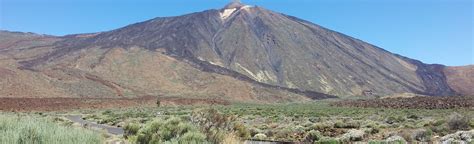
(414, 117)
(392, 119)
(379, 142)
(109, 118)
(283, 134)
(439, 122)
(193, 137)
(171, 130)
(339, 124)
(131, 129)
(320, 126)
(254, 131)
(213, 124)
(373, 128)
(348, 124)
(458, 122)
(328, 141)
(30, 136)
(107, 112)
(407, 135)
(313, 136)
(241, 131)
(422, 135)
(440, 130)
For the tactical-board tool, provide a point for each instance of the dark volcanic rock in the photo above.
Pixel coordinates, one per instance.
(411, 103)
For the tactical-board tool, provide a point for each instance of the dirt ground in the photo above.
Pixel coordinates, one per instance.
(61, 104)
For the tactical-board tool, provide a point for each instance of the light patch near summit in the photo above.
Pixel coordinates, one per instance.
(227, 12)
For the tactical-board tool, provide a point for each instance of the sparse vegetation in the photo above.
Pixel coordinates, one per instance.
(170, 130)
(298, 122)
(316, 122)
(38, 130)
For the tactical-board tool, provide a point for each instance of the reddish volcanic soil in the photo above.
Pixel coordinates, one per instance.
(412, 103)
(61, 104)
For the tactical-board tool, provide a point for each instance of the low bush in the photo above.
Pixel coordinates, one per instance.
(193, 137)
(283, 134)
(407, 135)
(213, 124)
(392, 119)
(458, 122)
(241, 131)
(313, 136)
(109, 120)
(254, 131)
(373, 128)
(422, 135)
(170, 130)
(438, 122)
(131, 129)
(347, 124)
(327, 140)
(321, 126)
(414, 117)
(440, 130)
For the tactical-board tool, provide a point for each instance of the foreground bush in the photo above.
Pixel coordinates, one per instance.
(28, 130)
(172, 130)
(218, 127)
(458, 122)
(313, 136)
(131, 129)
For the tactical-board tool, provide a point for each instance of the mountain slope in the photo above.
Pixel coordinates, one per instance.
(461, 79)
(120, 72)
(246, 45)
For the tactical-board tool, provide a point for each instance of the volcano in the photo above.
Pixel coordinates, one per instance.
(240, 52)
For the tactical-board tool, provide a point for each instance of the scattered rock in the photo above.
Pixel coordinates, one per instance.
(460, 136)
(395, 139)
(353, 135)
(260, 136)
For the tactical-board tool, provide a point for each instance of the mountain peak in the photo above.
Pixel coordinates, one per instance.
(232, 7)
(234, 4)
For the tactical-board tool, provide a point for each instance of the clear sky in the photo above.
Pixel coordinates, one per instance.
(433, 31)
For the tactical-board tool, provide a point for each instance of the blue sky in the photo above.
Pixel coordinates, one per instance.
(433, 31)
